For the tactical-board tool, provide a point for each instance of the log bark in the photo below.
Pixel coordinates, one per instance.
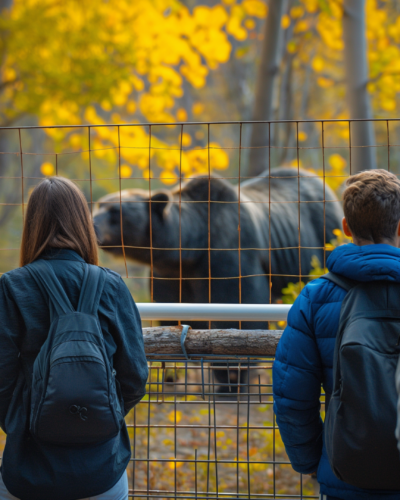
(271, 54)
(356, 69)
(167, 340)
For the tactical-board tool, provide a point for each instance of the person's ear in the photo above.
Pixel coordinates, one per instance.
(346, 228)
(398, 229)
(160, 202)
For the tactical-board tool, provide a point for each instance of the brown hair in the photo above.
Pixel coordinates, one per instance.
(371, 205)
(58, 216)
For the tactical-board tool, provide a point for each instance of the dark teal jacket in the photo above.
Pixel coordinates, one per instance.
(304, 361)
(30, 469)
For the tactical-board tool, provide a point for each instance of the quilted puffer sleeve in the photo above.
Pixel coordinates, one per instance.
(297, 377)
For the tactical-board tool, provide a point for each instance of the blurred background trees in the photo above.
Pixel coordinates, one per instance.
(113, 63)
(195, 60)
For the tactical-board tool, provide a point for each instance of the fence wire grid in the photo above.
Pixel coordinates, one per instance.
(178, 237)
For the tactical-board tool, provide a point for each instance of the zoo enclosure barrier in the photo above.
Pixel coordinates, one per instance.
(101, 158)
(188, 440)
(192, 441)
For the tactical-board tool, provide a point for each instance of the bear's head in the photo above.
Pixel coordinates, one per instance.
(136, 206)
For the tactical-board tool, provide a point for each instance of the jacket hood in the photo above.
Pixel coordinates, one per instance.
(366, 263)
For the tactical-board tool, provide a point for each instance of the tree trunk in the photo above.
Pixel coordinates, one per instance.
(271, 54)
(356, 68)
(5, 4)
(167, 341)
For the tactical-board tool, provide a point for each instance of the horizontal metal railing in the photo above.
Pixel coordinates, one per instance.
(213, 312)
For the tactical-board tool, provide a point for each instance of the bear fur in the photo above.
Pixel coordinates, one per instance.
(269, 216)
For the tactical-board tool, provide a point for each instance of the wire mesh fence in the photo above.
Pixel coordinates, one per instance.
(191, 440)
(182, 216)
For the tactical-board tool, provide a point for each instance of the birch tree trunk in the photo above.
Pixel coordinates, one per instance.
(5, 4)
(271, 55)
(356, 68)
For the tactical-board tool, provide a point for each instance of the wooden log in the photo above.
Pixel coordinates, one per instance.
(167, 340)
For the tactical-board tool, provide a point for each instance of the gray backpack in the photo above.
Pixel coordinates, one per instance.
(73, 391)
(361, 417)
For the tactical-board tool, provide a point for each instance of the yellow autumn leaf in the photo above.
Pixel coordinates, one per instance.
(256, 8)
(388, 104)
(186, 139)
(174, 464)
(125, 171)
(47, 168)
(337, 162)
(311, 5)
(296, 12)
(285, 21)
(318, 64)
(171, 416)
(197, 108)
(181, 115)
(168, 177)
(302, 136)
(325, 82)
(250, 24)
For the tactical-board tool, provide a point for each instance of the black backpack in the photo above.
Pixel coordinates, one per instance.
(361, 416)
(73, 391)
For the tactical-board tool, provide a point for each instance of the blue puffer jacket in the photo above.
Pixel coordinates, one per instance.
(304, 360)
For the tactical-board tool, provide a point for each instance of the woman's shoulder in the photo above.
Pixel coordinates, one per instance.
(115, 289)
(15, 275)
(112, 277)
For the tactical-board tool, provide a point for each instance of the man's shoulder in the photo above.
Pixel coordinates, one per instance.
(323, 291)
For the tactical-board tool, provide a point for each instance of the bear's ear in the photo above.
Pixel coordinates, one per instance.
(160, 202)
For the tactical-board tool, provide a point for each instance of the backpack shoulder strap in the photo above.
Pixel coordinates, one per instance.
(43, 273)
(345, 283)
(92, 288)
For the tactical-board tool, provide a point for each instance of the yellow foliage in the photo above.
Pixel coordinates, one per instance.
(125, 171)
(174, 465)
(291, 46)
(296, 12)
(186, 139)
(250, 24)
(285, 22)
(181, 115)
(311, 5)
(318, 64)
(234, 26)
(197, 108)
(388, 104)
(113, 47)
(301, 26)
(47, 168)
(325, 82)
(111, 60)
(337, 162)
(175, 416)
(168, 178)
(256, 8)
(302, 136)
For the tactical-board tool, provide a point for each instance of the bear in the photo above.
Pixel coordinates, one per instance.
(286, 216)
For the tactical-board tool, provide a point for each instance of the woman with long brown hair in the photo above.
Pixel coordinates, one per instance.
(72, 361)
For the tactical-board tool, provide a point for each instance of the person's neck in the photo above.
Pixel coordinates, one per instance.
(385, 241)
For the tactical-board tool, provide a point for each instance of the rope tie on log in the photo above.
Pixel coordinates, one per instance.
(185, 329)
